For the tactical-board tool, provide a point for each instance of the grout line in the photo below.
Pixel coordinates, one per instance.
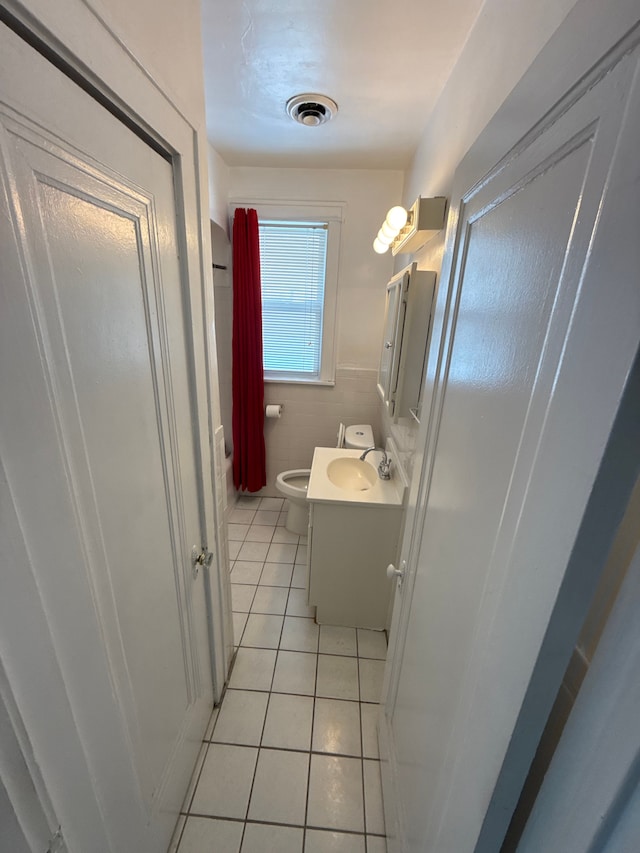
(206, 745)
(319, 827)
(313, 723)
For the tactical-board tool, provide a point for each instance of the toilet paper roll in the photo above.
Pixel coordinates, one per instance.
(273, 411)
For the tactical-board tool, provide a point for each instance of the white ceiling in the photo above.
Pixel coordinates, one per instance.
(384, 63)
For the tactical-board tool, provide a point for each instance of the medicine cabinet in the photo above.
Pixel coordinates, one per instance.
(407, 321)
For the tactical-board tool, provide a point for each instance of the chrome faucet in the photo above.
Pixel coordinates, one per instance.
(384, 466)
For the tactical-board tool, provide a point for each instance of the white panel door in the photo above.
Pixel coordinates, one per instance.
(97, 439)
(540, 325)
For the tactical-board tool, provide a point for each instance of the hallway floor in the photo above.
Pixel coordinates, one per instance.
(290, 759)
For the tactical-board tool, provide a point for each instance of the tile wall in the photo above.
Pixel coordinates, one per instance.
(312, 415)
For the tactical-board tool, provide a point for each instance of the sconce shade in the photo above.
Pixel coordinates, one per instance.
(379, 247)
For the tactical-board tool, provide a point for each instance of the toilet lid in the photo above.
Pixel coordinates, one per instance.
(340, 436)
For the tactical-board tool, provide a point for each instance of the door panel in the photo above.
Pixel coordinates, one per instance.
(525, 397)
(97, 438)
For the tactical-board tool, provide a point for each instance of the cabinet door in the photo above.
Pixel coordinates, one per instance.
(394, 317)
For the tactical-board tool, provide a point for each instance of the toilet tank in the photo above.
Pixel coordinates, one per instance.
(359, 436)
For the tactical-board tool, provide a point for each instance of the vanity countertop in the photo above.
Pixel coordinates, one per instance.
(381, 493)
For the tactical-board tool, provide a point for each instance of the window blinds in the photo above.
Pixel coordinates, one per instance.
(292, 268)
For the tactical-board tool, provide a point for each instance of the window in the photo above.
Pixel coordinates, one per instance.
(293, 259)
(299, 249)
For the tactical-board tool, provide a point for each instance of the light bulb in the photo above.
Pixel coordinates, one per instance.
(397, 218)
(379, 247)
(388, 231)
(385, 238)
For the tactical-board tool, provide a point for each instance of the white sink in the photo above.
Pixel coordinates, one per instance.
(338, 475)
(355, 475)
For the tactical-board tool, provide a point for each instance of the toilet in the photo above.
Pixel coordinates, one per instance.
(294, 484)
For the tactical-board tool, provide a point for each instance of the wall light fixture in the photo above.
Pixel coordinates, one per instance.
(408, 230)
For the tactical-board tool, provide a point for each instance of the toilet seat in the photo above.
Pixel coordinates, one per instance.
(294, 483)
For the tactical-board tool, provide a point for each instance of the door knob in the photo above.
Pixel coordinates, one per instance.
(392, 572)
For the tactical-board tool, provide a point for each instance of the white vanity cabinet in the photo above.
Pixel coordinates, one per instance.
(350, 547)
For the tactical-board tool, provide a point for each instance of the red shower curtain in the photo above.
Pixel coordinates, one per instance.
(249, 468)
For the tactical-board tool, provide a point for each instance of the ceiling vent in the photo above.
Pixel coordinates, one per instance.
(311, 110)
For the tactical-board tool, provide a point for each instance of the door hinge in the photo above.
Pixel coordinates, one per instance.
(56, 844)
(200, 557)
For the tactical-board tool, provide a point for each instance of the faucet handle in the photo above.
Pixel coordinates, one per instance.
(384, 467)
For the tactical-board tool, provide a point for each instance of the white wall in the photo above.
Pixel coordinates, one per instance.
(312, 413)
(219, 176)
(367, 196)
(507, 36)
(164, 36)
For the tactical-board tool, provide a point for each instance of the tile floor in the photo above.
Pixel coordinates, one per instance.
(290, 760)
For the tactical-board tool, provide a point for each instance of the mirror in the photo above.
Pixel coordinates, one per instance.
(405, 340)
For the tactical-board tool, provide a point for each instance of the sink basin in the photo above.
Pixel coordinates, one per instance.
(352, 474)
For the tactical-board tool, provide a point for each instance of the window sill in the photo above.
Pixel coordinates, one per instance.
(327, 383)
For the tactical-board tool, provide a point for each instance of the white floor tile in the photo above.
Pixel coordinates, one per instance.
(299, 634)
(244, 571)
(254, 551)
(376, 844)
(225, 782)
(280, 787)
(276, 574)
(321, 841)
(283, 535)
(336, 727)
(234, 548)
(370, 715)
(281, 552)
(371, 677)
(297, 605)
(335, 793)
(253, 669)
(374, 812)
(295, 673)
(301, 555)
(264, 516)
(289, 721)
(247, 502)
(262, 631)
(270, 599)
(203, 834)
(372, 644)
(337, 641)
(259, 838)
(241, 516)
(241, 597)
(241, 718)
(282, 518)
(272, 504)
(260, 533)
(239, 621)
(299, 579)
(337, 677)
(237, 532)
